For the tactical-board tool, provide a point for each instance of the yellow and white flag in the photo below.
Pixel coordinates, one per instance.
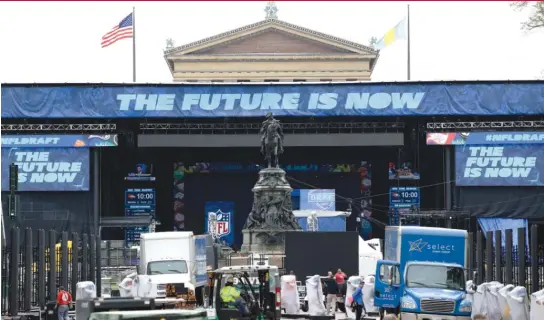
(398, 32)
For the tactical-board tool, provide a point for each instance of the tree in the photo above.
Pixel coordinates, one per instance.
(372, 41)
(536, 16)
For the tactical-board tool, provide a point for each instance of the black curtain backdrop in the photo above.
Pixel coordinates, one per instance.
(236, 188)
(59, 211)
(117, 162)
(503, 202)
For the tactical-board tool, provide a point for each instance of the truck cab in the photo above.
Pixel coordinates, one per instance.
(423, 276)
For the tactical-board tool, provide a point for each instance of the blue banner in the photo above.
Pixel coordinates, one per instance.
(59, 140)
(255, 100)
(318, 199)
(47, 169)
(219, 220)
(509, 165)
(484, 138)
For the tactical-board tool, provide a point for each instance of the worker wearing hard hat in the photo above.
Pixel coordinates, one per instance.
(230, 295)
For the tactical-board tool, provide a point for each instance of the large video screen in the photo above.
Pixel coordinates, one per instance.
(329, 251)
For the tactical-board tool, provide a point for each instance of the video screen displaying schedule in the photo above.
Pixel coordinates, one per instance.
(138, 202)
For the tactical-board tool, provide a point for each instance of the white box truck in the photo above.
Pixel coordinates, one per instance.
(174, 258)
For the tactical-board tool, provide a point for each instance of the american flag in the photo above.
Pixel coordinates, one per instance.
(124, 30)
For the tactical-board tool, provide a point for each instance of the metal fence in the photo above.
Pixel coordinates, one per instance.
(520, 265)
(35, 263)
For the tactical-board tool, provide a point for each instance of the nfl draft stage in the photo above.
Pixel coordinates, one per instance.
(184, 153)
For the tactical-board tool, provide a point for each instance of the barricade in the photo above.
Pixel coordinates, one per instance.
(520, 265)
(35, 263)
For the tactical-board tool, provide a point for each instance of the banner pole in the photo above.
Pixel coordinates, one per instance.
(409, 76)
(133, 44)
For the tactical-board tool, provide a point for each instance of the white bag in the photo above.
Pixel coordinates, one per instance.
(493, 308)
(503, 303)
(480, 298)
(289, 294)
(314, 292)
(368, 294)
(519, 304)
(85, 290)
(537, 305)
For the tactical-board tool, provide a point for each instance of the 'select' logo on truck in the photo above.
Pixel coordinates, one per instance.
(419, 245)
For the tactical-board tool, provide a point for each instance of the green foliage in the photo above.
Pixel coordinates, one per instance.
(536, 13)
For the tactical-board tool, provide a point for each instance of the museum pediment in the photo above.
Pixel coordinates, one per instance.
(270, 37)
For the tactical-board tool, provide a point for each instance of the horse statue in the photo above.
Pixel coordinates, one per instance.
(271, 140)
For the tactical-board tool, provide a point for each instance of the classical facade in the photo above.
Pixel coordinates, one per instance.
(271, 51)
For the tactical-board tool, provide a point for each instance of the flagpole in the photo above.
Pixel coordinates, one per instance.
(133, 44)
(408, 44)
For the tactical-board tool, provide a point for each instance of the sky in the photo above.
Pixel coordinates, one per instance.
(60, 41)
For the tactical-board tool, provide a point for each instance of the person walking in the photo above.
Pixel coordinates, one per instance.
(331, 292)
(358, 301)
(64, 301)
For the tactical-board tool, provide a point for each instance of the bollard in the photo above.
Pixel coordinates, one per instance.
(98, 267)
(521, 257)
(41, 287)
(479, 257)
(75, 261)
(508, 272)
(470, 259)
(13, 293)
(85, 257)
(489, 256)
(498, 256)
(52, 278)
(64, 260)
(92, 259)
(534, 258)
(27, 286)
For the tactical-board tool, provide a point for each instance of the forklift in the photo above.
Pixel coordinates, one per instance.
(259, 287)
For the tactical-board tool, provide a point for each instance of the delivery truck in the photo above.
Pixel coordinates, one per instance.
(422, 276)
(174, 258)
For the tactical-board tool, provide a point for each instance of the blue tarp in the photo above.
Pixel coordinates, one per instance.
(255, 100)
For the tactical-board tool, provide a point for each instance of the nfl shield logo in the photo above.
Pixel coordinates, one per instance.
(222, 223)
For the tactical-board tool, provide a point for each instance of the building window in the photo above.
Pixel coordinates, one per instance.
(299, 80)
(351, 80)
(325, 80)
(271, 80)
(217, 80)
(243, 80)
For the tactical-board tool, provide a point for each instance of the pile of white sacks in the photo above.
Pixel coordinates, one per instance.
(316, 300)
(505, 302)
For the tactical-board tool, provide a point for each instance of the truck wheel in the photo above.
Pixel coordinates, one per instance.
(382, 313)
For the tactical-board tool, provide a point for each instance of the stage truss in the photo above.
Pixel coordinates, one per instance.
(312, 127)
(483, 125)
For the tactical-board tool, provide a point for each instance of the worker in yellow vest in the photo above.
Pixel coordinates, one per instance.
(230, 296)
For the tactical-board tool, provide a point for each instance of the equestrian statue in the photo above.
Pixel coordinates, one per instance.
(271, 140)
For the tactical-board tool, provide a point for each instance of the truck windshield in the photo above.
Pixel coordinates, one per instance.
(167, 267)
(435, 276)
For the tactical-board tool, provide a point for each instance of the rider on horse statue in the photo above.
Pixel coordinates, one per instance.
(271, 140)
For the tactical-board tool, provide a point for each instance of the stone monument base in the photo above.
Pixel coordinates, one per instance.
(266, 241)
